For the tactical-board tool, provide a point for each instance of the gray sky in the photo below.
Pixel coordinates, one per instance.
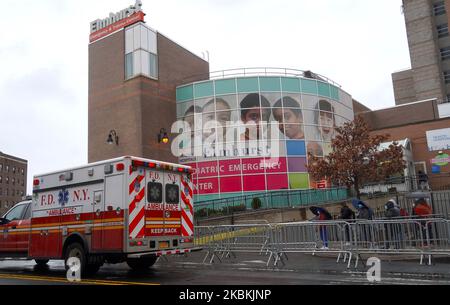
(44, 62)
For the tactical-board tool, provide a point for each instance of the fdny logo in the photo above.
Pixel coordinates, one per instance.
(63, 197)
(167, 214)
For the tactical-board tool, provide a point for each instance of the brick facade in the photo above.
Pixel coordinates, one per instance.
(138, 108)
(13, 181)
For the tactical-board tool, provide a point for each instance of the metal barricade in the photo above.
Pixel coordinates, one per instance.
(224, 241)
(418, 237)
(311, 238)
(393, 237)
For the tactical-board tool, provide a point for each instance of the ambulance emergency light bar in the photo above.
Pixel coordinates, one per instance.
(108, 169)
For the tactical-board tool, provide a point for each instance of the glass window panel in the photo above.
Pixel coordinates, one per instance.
(153, 65)
(312, 133)
(144, 38)
(272, 98)
(129, 44)
(248, 84)
(270, 84)
(225, 86)
(129, 65)
(183, 93)
(290, 84)
(309, 102)
(136, 62)
(137, 37)
(315, 148)
(145, 63)
(152, 42)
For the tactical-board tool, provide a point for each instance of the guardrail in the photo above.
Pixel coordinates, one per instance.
(422, 237)
(259, 71)
(269, 200)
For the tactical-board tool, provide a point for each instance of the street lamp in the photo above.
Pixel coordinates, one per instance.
(163, 137)
(113, 138)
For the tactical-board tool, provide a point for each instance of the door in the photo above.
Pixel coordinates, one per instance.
(154, 209)
(172, 208)
(418, 167)
(23, 228)
(10, 230)
(98, 208)
(113, 216)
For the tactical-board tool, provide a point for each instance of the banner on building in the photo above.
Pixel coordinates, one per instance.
(438, 139)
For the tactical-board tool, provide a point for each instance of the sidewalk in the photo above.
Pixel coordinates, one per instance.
(406, 265)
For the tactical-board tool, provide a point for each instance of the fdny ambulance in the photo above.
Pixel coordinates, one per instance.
(122, 210)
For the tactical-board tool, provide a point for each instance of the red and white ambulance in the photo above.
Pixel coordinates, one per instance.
(122, 210)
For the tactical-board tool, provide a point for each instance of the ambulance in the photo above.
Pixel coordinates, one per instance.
(127, 209)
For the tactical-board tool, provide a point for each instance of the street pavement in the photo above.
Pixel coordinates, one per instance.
(244, 269)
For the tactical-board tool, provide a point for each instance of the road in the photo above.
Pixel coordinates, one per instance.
(243, 270)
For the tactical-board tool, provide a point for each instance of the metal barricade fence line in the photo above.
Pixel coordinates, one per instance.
(419, 237)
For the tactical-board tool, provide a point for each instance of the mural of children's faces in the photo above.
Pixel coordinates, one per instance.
(315, 149)
(254, 109)
(325, 119)
(290, 120)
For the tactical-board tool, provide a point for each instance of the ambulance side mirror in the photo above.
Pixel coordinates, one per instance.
(4, 221)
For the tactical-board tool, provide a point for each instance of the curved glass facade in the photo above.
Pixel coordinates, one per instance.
(260, 130)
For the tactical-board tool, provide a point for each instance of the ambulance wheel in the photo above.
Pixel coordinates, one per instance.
(76, 250)
(41, 262)
(141, 263)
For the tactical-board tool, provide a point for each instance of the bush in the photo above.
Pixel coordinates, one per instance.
(234, 209)
(256, 203)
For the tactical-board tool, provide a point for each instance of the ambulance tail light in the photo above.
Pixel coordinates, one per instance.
(120, 167)
(181, 170)
(36, 182)
(152, 165)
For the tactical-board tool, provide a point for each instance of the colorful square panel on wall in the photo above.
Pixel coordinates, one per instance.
(230, 167)
(207, 169)
(207, 186)
(297, 165)
(277, 182)
(298, 181)
(296, 148)
(276, 165)
(254, 183)
(230, 184)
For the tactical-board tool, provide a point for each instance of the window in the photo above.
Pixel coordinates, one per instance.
(128, 65)
(445, 53)
(154, 192)
(1, 179)
(439, 8)
(7, 180)
(442, 30)
(16, 213)
(7, 168)
(447, 77)
(1, 167)
(13, 181)
(14, 169)
(28, 212)
(22, 171)
(172, 193)
(140, 52)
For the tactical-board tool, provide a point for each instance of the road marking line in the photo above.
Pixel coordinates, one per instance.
(63, 280)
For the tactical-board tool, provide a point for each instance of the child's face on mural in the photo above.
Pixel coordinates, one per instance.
(289, 123)
(326, 122)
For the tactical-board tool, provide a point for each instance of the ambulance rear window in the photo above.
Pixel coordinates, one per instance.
(154, 192)
(172, 193)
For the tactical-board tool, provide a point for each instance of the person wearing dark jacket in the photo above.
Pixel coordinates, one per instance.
(393, 230)
(348, 215)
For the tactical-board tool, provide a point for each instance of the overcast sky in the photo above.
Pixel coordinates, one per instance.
(44, 60)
